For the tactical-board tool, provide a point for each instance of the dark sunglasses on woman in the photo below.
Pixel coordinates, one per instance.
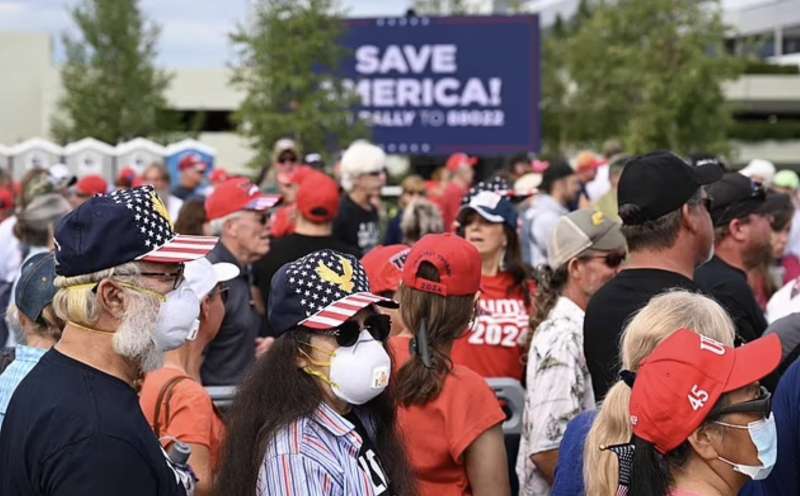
(377, 325)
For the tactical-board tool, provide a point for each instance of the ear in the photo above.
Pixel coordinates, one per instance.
(703, 440)
(689, 219)
(736, 228)
(205, 308)
(574, 268)
(112, 298)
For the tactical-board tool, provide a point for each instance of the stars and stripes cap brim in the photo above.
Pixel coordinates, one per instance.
(181, 248)
(336, 313)
(264, 202)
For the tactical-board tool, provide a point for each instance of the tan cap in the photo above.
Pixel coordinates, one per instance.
(583, 230)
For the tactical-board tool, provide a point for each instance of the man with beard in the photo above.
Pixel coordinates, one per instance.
(742, 238)
(74, 425)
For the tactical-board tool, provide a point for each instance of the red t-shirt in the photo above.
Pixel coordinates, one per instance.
(491, 347)
(450, 203)
(437, 434)
(192, 418)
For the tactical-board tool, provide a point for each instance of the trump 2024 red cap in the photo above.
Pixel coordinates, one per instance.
(456, 260)
(678, 385)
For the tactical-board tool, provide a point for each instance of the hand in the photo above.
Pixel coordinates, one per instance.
(262, 345)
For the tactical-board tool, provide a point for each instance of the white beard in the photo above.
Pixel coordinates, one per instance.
(133, 338)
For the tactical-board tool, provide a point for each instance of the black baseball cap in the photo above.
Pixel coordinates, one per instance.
(658, 183)
(735, 196)
(35, 289)
(124, 226)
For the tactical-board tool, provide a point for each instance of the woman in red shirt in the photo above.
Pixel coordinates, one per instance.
(450, 418)
(492, 346)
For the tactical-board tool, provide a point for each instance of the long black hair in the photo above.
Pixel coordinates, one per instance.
(276, 393)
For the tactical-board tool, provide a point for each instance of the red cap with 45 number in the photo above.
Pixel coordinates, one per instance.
(456, 260)
(678, 385)
(237, 194)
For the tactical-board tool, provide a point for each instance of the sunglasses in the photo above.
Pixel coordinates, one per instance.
(761, 405)
(287, 160)
(377, 325)
(376, 173)
(612, 260)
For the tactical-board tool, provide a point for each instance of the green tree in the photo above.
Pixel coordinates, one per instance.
(287, 65)
(650, 72)
(441, 7)
(112, 88)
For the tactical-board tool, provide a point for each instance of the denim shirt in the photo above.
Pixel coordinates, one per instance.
(25, 358)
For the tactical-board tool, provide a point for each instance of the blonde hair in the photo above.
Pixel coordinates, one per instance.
(663, 315)
(75, 299)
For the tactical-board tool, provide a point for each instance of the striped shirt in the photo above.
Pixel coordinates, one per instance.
(25, 358)
(315, 455)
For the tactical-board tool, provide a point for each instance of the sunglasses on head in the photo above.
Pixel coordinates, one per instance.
(377, 325)
(761, 405)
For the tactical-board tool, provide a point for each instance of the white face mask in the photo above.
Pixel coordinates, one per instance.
(178, 319)
(358, 373)
(765, 438)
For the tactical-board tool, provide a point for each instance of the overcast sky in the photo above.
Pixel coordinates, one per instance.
(194, 32)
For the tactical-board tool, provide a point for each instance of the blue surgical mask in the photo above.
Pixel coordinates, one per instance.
(765, 438)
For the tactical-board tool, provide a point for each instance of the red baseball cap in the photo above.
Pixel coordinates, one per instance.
(126, 177)
(318, 197)
(219, 176)
(456, 160)
(192, 161)
(237, 194)
(384, 266)
(456, 260)
(91, 185)
(6, 199)
(680, 382)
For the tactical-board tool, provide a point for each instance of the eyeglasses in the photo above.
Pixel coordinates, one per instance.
(377, 325)
(287, 160)
(177, 277)
(376, 173)
(761, 405)
(612, 260)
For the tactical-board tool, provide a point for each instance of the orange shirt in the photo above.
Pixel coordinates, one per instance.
(192, 415)
(491, 347)
(437, 434)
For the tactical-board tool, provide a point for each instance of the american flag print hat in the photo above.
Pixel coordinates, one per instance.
(123, 226)
(320, 291)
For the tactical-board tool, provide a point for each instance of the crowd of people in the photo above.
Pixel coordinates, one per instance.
(646, 305)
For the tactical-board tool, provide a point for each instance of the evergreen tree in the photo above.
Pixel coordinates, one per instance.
(112, 88)
(287, 63)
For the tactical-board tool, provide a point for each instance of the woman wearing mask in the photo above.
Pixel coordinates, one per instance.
(492, 346)
(315, 417)
(650, 326)
(172, 397)
(586, 251)
(450, 418)
(702, 425)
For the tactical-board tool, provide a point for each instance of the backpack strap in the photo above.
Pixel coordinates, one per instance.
(164, 396)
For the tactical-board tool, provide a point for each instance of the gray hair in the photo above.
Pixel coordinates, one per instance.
(218, 225)
(420, 217)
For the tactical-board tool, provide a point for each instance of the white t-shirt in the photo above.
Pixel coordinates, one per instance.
(785, 301)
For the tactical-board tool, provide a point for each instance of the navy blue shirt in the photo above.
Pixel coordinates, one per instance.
(785, 477)
(71, 429)
(569, 471)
